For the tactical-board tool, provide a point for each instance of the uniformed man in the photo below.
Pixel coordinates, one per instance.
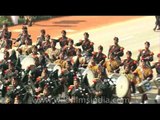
(112, 65)
(130, 77)
(116, 49)
(143, 72)
(24, 36)
(26, 48)
(5, 31)
(41, 38)
(87, 45)
(69, 51)
(28, 20)
(129, 61)
(4, 62)
(16, 89)
(157, 23)
(156, 65)
(78, 93)
(35, 52)
(99, 56)
(146, 54)
(53, 52)
(46, 44)
(61, 62)
(5, 43)
(78, 61)
(63, 41)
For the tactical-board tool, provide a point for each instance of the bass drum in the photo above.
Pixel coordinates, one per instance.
(27, 61)
(90, 76)
(57, 67)
(122, 86)
(1, 56)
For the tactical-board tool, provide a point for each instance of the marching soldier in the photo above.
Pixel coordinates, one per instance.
(5, 43)
(78, 93)
(129, 61)
(41, 38)
(86, 44)
(69, 51)
(156, 65)
(157, 23)
(143, 72)
(5, 32)
(24, 36)
(61, 62)
(63, 41)
(99, 56)
(116, 49)
(112, 65)
(146, 54)
(46, 44)
(53, 52)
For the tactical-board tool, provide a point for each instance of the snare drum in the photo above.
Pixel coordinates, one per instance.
(144, 86)
(157, 82)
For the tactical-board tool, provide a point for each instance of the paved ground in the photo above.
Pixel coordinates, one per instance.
(132, 31)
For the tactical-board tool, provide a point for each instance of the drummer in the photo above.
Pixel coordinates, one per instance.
(157, 67)
(130, 78)
(53, 52)
(61, 62)
(69, 51)
(143, 72)
(116, 49)
(112, 65)
(35, 52)
(99, 56)
(129, 61)
(41, 38)
(86, 44)
(146, 54)
(26, 48)
(46, 44)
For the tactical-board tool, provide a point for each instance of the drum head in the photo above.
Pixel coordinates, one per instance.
(57, 67)
(90, 77)
(1, 56)
(27, 61)
(50, 66)
(122, 86)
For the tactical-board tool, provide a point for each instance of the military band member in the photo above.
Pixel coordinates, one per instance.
(63, 41)
(129, 61)
(5, 43)
(87, 45)
(146, 54)
(112, 65)
(35, 52)
(41, 38)
(116, 49)
(53, 52)
(69, 51)
(78, 61)
(46, 44)
(24, 36)
(26, 48)
(99, 56)
(156, 65)
(5, 32)
(61, 61)
(143, 72)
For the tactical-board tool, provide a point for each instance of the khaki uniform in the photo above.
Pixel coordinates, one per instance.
(142, 74)
(61, 63)
(111, 66)
(50, 52)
